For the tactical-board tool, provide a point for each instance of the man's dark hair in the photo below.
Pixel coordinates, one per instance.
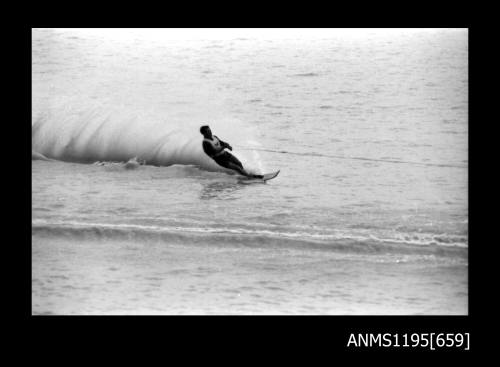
(203, 129)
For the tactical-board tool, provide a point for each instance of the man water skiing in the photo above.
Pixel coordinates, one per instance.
(214, 148)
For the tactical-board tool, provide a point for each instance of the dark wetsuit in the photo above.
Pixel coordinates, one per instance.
(216, 151)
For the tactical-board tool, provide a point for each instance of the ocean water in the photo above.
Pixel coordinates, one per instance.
(369, 214)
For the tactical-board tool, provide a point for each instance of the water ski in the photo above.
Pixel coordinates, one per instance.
(267, 176)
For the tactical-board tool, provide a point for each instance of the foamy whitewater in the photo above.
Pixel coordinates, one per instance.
(369, 214)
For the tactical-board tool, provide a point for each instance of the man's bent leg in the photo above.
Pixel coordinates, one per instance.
(235, 160)
(235, 167)
(230, 161)
(242, 170)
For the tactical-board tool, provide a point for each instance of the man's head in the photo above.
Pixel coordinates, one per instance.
(205, 131)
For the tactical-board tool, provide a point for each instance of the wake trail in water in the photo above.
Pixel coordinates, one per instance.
(249, 237)
(37, 156)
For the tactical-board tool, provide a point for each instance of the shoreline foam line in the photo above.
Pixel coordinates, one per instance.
(245, 238)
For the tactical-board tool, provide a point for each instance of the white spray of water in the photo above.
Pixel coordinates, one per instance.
(88, 133)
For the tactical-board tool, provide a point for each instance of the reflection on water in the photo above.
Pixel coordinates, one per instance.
(220, 190)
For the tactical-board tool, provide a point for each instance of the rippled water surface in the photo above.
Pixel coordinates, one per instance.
(369, 213)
